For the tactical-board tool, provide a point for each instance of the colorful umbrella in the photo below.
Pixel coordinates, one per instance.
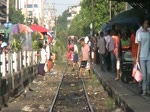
(9, 29)
(37, 35)
(14, 29)
(25, 29)
(38, 28)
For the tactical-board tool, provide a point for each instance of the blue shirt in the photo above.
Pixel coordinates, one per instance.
(144, 39)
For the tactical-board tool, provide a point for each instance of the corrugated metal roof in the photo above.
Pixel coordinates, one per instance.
(137, 3)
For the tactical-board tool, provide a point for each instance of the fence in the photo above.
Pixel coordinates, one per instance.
(13, 62)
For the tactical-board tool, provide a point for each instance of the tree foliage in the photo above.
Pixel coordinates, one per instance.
(99, 15)
(61, 38)
(16, 16)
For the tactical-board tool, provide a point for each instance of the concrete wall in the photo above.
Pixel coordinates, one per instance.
(14, 84)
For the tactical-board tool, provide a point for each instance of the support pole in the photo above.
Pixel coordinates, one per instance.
(7, 17)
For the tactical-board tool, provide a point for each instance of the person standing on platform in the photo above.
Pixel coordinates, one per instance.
(101, 44)
(107, 39)
(143, 56)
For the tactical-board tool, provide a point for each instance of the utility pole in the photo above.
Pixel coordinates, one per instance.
(126, 6)
(92, 13)
(110, 9)
(16, 4)
(42, 12)
(7, 17)
(26, 5)
(32, 17)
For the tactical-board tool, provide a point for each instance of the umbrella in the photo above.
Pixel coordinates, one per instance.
(37, 35)
(24, 28)
(14, 29)
(38, 28)
(9, 29)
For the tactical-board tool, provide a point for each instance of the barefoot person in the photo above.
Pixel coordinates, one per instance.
(84, 58)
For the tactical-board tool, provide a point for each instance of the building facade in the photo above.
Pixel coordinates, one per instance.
(72, 12)
(2, 11)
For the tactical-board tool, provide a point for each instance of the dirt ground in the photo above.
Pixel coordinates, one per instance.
(99, 98)
(39, 96)
(71, 97)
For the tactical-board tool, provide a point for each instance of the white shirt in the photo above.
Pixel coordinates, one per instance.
(144, 38)
(48, 51)
(136, 36)
(75, 48)
(43, 56)
(107, 38)
(86, 39)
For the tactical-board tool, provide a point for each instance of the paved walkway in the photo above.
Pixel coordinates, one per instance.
(126, 95)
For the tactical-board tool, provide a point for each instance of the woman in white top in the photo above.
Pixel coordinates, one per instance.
(43, 55)
(143, 55)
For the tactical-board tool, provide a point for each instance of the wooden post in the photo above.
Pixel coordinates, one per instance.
(3, 69)
(31, 57)
(9, 63)
(34, 57)
(24, 59)
(15, 61)
(28, 58)
(20, 59)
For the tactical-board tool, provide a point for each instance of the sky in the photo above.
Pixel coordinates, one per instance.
(60, 5)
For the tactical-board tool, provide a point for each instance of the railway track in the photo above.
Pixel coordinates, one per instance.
(71, 95)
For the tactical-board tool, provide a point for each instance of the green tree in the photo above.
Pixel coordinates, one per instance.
(99, 15)
(16, 16)
(117, 7)
(62, 21)
(61, 40)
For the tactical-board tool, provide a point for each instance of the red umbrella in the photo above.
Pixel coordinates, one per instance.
(38, 28)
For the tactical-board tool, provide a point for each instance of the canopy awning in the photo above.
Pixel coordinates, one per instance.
(137, 3)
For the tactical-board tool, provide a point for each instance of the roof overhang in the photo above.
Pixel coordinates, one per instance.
(137, 3)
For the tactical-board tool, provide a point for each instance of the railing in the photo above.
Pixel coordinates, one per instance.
(16, 61)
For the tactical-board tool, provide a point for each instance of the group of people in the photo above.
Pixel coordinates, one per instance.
(112, 43)
(46, 60)
(82, 61)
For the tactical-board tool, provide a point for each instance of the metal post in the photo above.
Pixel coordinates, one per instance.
(32, 11)
(7, 17)
(26, 11)
(55, 26)
(3, 69)
(110, 9)
(16, 4)
(92, 11)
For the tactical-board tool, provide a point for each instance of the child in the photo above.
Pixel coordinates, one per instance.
(50, 64)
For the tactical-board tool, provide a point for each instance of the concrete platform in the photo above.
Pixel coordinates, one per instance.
(126, 95)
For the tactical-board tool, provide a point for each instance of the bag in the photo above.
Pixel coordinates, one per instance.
(87, 66)
(136, 73)
(45, 67)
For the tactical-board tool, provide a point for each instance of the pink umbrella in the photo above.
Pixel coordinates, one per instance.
(25, 29)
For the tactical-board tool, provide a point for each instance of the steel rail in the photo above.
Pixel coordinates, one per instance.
(87, 98)
(57, 92)
(55, 97)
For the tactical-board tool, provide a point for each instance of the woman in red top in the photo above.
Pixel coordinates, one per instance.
(116, 53)
(133, 45)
